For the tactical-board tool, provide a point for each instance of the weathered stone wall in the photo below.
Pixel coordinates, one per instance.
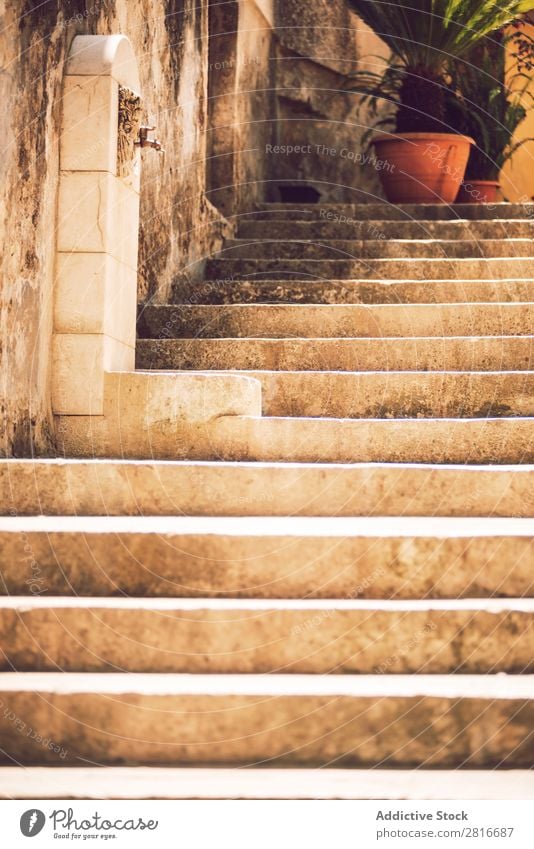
(257, 101)
(316, 45)
(179, 227)
(241, 108)
(33, 46)
(319, 45)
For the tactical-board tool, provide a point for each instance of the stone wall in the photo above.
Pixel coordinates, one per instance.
(271, 90)
(318, 46)
(179, 226)
(256, 97)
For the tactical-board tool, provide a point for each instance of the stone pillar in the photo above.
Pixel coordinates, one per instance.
(98, 221)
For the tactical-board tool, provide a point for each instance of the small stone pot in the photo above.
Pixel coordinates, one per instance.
(421, 167)
(478, 191)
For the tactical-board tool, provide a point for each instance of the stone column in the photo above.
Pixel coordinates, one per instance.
(97, 224)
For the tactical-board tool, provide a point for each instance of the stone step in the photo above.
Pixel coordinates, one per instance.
(331, 291)
(331, 440)
(338, 321)
(163, 488)
(386, 354)
(349, 249)
(265, 636)
(267, 557)
(154, 414)
(138, 782)
(390, 395)
(325, 228)
(390, 212)
(301, 439)
(439, 721)
(377, 269)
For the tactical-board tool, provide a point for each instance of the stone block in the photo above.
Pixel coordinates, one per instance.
(86, 212)
(95, 293)
(78, 365)
(104, 55)
(89, 125)
(98, 213)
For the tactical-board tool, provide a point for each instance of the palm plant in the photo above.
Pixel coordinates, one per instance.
(490, 101)
(424, 36)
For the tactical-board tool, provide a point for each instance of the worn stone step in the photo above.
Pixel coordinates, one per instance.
(387, 394)
(378, 269)
(164, 488)
(390, 212)
(331, 440)
(301, 439)
(267, 557)
(477, 721)
(454, 353)
(331, 291)
(326, 228)
(348, 249)
(265, 636)
(138, 782)
(339, 320)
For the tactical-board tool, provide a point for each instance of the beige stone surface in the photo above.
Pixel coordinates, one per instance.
(332, 291)
(396, 720)
(336, 320)
(97, 229)
(79, 363)
(261, 783)
(88, 139)
(267, 557)
(124, 236)
(325, 32)
(409, 269)
(158, 488)
(123, 527)
(98, 213)
(393, 394)
(114, 58)
(382, 211)
(318, 45)
(87, 221)
(153, 399)
(158, 414)
(95, 293)
(312, 440)
(387, 354)
(232, 636)
(266, 8)
(338, 248)
(319, 229)
(179, 227)
(134, 434)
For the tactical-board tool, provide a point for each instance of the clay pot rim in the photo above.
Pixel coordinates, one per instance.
(398, 137)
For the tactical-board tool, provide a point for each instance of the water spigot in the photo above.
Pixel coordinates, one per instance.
(145, 141)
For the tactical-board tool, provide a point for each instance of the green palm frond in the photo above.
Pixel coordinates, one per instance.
(429, 32)
(427, 39)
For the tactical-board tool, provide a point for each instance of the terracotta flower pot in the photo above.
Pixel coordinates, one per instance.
(422, 167)
(478, 191)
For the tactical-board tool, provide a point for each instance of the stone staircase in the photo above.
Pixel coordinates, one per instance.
(325, 592)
